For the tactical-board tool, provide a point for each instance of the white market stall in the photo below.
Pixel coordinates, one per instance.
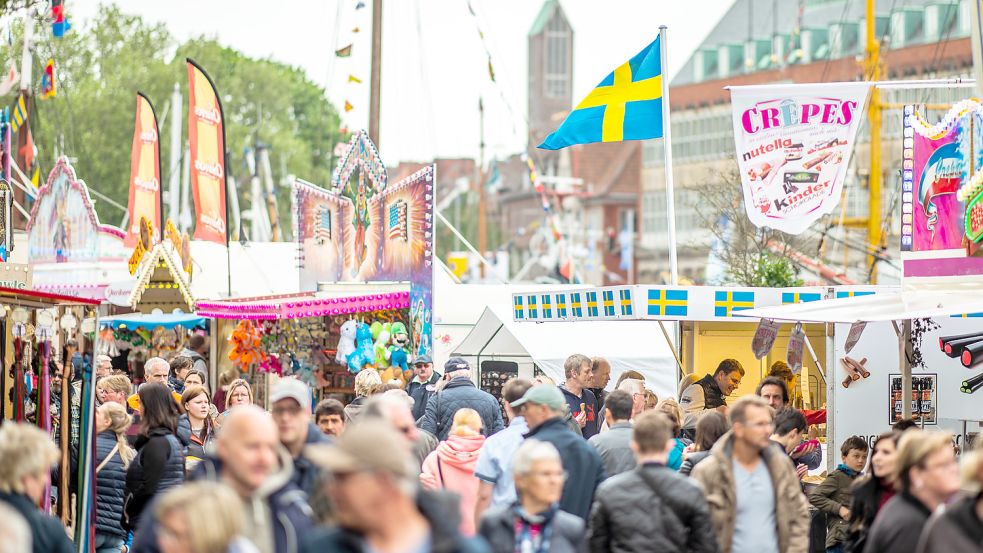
(626, 345)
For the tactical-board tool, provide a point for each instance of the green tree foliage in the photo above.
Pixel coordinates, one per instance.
(102, 65)
(772, 271)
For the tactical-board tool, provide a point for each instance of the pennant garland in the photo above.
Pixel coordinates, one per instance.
(18, 114)
(345, 52)
(48, 89)
(491, 67)
(354, 79)
(541, 189)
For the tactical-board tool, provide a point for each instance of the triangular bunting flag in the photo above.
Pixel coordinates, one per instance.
(344, 52)
(354, 79)
(18, 114)
(360, 5)
(348, 106)
(356, 30)
(36, 176)
(28, 151)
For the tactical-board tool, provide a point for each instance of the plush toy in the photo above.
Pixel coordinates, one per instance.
(346, 341)
(398, 352)
(364, 354)
(381, 344)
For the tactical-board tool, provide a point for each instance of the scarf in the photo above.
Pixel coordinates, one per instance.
(533, 532)
(847, 471)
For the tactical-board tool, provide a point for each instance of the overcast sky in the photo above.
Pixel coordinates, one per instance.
(434, 65)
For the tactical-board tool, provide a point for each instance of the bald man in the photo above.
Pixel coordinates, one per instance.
(253, 463)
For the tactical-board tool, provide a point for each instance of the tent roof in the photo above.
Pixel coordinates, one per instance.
(889, 306)
(637, 345)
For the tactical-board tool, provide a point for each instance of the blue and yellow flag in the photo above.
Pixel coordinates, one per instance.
(627, 105)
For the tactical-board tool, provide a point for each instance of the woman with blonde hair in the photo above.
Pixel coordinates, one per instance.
(26, 456)
(180, 516)
(959, 529)
(113, 456)
(926, 475)
(365, 382)
(240, 393)
(451, 465)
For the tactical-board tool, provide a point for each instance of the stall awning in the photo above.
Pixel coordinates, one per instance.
(44, 297)
(345, 300)
(152, 321)
(636, 345)
(894, 305)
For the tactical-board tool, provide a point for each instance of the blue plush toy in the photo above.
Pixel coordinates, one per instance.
(364, 354)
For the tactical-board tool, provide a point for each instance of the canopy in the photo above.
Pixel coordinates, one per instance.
(892, 305)
(627, 345)
(152, 320)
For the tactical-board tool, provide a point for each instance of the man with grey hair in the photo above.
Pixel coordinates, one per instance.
(637, 390)
(378, 504)
(104, 366)
(579, 372)
(156, 369)
(538, 474)
(395, 408)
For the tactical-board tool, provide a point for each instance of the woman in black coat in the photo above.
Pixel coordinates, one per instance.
(159, 464)
(113, 455)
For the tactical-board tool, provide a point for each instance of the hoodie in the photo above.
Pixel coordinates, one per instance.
(451, 466)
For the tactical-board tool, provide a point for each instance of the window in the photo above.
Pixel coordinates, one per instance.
(557, 37)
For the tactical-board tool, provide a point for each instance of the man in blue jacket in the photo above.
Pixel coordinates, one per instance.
(543, 407)
(460, 392)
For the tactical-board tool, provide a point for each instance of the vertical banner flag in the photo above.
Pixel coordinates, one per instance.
(206, 137)
(793, 149)
(144, 174)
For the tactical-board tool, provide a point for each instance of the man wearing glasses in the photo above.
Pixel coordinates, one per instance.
(423, 385)
(755, 500)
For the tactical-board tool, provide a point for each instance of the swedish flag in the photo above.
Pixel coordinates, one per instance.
(517, 307)
(608, 298)
(547, 307)
(591, 304)
(626, 310)
(668, 303)
(531, 307)
(576, 305)
(799, 297)
(561, 306)
(626, 105)
(726, 303)
(852, 294)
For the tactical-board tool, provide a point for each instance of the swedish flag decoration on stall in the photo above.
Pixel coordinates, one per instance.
(853, 294)
(607, 297)
(725, 303)
(663, 302)
(591, 304)
(518, 312)
(966, 315)
(626, 308)
(796, 297)
(531, 306)
(547, 306)
(561, 306)
(576, 305)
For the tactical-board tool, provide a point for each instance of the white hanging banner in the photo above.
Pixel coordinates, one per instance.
(793, 149)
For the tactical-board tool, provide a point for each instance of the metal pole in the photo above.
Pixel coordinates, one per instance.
(667, 151)
(904, 341)
(872, 68)
(482, 199)
(376, 71)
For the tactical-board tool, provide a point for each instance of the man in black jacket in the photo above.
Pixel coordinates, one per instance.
(651, 507)
(708, 393)
(460, 392)
(424, 384)
(290, 405)
(379, 507)
(543, 407)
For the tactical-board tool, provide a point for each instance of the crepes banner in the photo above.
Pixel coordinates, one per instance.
(144, 174)
(206, 138)
(793, 149)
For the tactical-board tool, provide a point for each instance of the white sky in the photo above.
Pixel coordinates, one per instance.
(434, 65)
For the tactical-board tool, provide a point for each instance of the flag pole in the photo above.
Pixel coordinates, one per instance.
(667, 152)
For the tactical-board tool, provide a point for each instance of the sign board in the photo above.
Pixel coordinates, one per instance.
(764, 337)
(793, 148)
(16, 276)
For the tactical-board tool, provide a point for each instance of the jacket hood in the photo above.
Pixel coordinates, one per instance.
(460, 451)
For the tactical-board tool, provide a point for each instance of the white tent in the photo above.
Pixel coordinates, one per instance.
(636, 345)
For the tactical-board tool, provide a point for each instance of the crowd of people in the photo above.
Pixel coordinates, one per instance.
(446, 467)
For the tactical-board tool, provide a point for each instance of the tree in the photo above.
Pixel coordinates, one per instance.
(751, 256)
(101, 67)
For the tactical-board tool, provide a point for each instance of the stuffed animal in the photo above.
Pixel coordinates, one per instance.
(364, 354)
(398, 352)
(346, 341)
(380, 346)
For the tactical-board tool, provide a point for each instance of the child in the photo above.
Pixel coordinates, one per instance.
(833, 496)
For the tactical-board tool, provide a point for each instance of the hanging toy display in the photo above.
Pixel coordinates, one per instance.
(364, 354)
(398, 352)
(346, 341)
(381, 344)
(247, 350)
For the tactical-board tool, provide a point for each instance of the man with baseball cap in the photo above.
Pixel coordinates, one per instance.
(290, 403)
(543, 407)
(458, 393)
(379, 506)
(423, 385)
